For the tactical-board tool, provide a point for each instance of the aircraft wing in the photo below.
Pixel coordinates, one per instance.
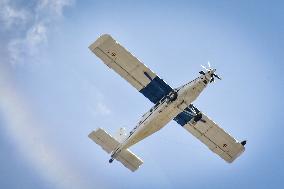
(130, 68)
(209, 133)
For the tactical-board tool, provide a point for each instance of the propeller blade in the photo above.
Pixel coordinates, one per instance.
(204, 68)
(209, 66)
(217, 76)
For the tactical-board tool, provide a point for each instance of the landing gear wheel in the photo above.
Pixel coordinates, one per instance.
(198, 117)
(111, 160)
(173, 96)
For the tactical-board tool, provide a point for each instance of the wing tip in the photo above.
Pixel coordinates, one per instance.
(237, 155)
(99, 41)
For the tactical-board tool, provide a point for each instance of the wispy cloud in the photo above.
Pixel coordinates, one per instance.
(102, 109)
(34, 22)
(35, 37)
(11, 16)
(54, 6)
(97, 104)
(27, 30)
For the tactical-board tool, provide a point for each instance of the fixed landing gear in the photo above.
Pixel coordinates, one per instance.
(198, 117)
(111, 160)
(173, 96)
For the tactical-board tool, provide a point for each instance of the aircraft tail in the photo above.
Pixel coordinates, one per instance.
(109, 143)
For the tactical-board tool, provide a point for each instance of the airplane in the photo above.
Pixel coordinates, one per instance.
(169, 104)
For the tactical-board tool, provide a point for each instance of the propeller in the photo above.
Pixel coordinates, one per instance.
(209, 69)
(205, 68)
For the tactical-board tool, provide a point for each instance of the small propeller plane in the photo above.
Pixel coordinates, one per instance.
(169, 103)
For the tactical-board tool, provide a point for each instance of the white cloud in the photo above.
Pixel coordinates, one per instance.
(29, 45)
(11, 16)
(36, 35)
(96, 100)
(29, 28)
(54, 6)
(102, 109)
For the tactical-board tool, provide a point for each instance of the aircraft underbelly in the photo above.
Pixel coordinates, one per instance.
(162, 115)
(152, 125)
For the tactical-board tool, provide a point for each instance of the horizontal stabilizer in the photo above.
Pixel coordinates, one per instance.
(129, 160)
(108, 144)
(105, 140)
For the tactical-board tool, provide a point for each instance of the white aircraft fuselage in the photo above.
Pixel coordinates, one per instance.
(165, 110)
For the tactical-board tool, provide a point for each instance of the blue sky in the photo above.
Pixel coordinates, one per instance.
(54, 91)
